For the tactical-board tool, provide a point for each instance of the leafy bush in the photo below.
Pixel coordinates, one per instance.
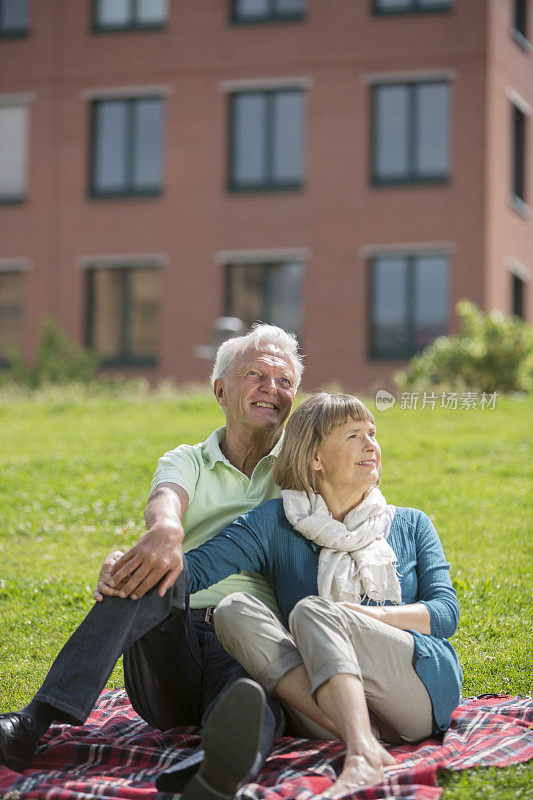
(491, 353)
(58, 360)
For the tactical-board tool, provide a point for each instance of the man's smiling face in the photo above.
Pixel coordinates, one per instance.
(258, 392)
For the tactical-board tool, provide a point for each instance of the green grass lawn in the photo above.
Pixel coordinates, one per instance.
(75, 472)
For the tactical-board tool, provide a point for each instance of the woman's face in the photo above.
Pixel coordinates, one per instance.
(349, 458)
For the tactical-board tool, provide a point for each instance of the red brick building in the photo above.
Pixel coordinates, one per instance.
(345, 168)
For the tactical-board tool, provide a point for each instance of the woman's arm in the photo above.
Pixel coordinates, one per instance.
(435, 589)
(411, 617)
(437, 611)
(240, 546)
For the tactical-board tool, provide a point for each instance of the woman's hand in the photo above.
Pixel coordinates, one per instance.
(103, 586)
(376, 612)
(409, 617)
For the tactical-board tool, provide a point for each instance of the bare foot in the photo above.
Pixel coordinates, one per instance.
(387, 759)
(360, 772)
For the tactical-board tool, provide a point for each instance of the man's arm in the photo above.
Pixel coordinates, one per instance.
(157, 557)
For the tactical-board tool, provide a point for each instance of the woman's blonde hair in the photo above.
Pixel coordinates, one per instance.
(312, 421)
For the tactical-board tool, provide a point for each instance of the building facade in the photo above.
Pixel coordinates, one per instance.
(347, 169)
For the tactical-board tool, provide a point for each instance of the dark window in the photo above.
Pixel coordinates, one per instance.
(14, 17)
(13, 152)
(121, 15)
(10, 313)
(267, 10)
(408, 301)
(127, 145)
(123, 314)
(517, 289)
(518, 153)
(266, 292)
(520, 17)
(266, 140)
(410, 132)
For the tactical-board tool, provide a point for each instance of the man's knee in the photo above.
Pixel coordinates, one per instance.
(110, 604)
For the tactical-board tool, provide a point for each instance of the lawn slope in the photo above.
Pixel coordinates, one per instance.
(75, 476)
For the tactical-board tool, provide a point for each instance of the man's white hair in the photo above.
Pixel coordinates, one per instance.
(260, 336)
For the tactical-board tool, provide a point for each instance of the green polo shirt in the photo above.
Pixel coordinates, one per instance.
(218, 494)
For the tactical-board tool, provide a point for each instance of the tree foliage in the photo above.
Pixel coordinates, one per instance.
(58, 360)
(491, 353)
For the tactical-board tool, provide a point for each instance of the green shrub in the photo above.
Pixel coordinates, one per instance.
(491, 353)
(58, 360)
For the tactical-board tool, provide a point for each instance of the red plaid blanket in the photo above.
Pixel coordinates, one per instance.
(117, 755)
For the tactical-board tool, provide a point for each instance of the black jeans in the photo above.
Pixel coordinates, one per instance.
(175, 668)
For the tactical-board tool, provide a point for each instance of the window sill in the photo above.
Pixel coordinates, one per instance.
(268, 20)
(267, 188)
(20, 34)
(393, 358)
(128, 28)
(520, 206)
(94, 194)
(110, 363)
(522, 41)
(411, 12)
(437, 180)
(15, 200)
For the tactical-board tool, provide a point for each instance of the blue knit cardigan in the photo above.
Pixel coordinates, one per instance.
(263, 541)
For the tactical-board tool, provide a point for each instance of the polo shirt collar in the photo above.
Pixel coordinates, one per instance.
(211, 452)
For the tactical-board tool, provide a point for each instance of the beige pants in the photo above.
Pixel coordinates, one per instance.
(330, 639)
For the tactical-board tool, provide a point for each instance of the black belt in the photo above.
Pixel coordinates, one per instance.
(203, 614)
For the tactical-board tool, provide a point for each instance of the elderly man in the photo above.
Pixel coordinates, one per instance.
(176, 672)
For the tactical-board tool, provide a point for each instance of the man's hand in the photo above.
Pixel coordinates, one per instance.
(103, 586)
(157, 557)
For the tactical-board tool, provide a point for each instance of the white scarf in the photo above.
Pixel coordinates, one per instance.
(355, 561)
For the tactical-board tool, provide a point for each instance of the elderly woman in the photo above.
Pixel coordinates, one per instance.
(363, 588)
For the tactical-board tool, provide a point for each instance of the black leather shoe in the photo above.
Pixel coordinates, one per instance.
(230, 739)
(19, 737)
